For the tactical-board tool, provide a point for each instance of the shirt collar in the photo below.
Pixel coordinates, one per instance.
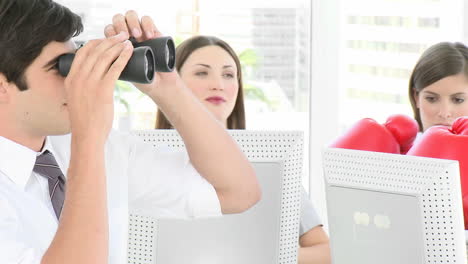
(17, 161)
(48, 146)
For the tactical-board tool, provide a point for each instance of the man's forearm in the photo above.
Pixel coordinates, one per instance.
(82, 235)
(212, 150)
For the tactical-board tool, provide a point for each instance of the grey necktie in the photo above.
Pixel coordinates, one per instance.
(47, 166)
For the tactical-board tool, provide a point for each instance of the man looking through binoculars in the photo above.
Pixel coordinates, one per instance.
(65, 178)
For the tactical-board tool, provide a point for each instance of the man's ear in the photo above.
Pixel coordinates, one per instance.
(5, 89)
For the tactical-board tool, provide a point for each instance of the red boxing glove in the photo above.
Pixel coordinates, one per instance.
(465, 210)
(404, 129)
(448, 143)
(395, 136)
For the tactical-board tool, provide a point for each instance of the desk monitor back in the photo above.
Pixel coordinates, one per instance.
(265, 234)
(388, 208)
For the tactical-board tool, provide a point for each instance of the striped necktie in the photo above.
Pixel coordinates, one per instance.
(47, 166)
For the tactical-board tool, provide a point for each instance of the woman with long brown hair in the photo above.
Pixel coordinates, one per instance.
(438, 86)
(212, 70)
(223, 96)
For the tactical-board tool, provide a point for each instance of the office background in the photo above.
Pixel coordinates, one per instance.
(316, 66)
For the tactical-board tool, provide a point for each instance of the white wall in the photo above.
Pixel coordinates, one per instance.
(324, 93)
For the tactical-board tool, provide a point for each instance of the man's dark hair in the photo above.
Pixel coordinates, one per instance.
(26, 26)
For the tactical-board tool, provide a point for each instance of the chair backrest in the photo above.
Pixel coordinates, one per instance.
(267, 233)
(390, 208)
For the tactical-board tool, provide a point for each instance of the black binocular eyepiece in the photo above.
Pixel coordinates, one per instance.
(154, 55)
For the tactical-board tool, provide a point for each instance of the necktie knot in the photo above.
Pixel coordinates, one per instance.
(47, 166)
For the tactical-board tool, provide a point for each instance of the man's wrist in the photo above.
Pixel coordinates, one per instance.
(87, 143)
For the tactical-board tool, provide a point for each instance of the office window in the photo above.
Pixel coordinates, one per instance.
(272, 38)
(383, 39)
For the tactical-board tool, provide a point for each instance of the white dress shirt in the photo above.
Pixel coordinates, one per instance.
(162, 184)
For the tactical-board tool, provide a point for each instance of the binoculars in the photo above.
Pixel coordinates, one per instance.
(150, 56)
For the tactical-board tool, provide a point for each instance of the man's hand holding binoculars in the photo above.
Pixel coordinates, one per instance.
(90, 86)
(167, 89)
(144, 33)
(150, 68)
